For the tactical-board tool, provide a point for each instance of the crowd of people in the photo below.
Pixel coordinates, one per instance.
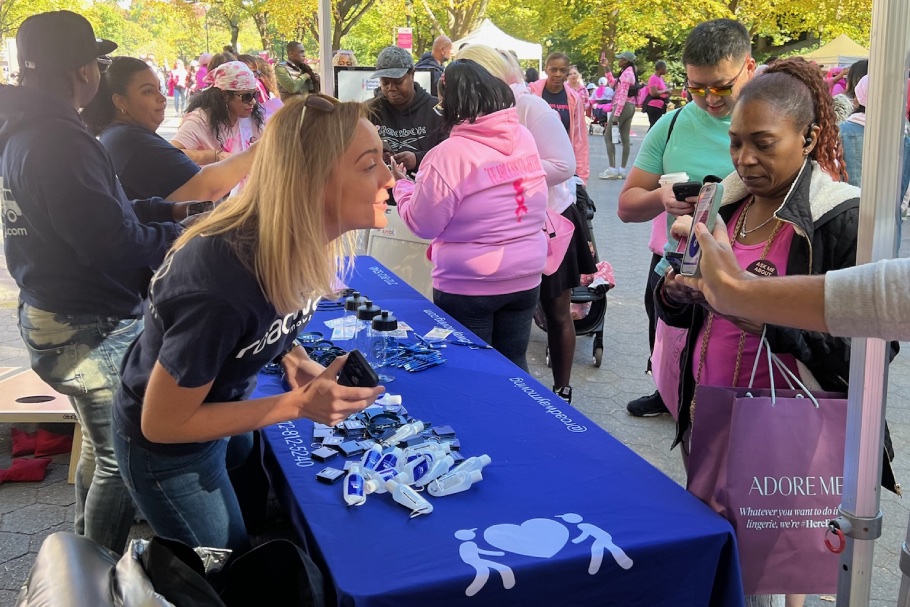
(158, 277)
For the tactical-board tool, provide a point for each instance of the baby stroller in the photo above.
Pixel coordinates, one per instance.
(589, 303)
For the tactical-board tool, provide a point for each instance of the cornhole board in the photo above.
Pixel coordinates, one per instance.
(25, 398)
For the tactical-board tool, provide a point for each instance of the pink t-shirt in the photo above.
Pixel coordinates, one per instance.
(658, 82)
(723, 344)
(200, 77)
(195, 133)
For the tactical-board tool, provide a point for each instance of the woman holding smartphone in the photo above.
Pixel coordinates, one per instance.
(231, 297)
(789, 211)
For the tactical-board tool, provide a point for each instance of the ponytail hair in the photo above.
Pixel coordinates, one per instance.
(796, 88)
(100, 111)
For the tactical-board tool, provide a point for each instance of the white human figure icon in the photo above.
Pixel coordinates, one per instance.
(602, 541)
(470, 553)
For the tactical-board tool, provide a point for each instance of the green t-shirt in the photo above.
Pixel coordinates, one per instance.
(699, 145)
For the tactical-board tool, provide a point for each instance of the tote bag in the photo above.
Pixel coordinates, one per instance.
(559, 232)
(771, 462)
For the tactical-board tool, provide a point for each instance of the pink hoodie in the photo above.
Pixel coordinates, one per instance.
(481, 195)
(578, 128)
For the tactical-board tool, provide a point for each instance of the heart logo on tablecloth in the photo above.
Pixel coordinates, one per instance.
(538, 537)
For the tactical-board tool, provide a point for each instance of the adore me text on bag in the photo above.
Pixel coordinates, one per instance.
(771, 462)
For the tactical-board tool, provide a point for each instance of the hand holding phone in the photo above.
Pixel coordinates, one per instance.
(705, 212)
(357, 372)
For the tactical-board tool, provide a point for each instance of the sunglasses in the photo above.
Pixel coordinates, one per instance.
(104, 62)
(321, 103)
(246, 98)
(717, 91)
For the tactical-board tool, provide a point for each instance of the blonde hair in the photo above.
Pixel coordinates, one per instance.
(496, 62)
(277, 224)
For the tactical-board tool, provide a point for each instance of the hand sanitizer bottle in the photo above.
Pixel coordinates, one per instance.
(390, 460)
(438, 468)
(371, 458)
(472, 463)
(405, 431)
(454, 483)
(415, 469)
(408, 498)
(354, 490)
(375, 481)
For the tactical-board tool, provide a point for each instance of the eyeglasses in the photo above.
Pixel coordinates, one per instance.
(717, 91)
(246, 98)
(104, 62)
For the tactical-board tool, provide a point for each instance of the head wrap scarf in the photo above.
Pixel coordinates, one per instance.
(231, 76)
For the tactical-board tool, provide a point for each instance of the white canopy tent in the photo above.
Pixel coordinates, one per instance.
(487, 33)
(842, 51)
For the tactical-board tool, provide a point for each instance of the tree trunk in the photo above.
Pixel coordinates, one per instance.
(262, 25)
(235, 31)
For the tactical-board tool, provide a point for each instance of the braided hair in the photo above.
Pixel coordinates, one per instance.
(796, 88)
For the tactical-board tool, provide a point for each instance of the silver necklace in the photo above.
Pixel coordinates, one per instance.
(743, 231)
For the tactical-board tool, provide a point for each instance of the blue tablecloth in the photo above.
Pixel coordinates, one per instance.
(558, 492)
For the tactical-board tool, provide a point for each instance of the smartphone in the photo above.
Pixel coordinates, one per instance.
(357, 372)
(686, 189)
(674, 258)
(705, 212)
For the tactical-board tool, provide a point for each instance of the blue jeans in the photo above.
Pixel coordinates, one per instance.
(503, 321)
(79, 355)
(188, 497)
(179, 99)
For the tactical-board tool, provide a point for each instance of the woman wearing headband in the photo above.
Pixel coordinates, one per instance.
(223, 119)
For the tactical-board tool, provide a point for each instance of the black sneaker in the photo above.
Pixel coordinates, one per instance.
(564, 393)
(647, 406)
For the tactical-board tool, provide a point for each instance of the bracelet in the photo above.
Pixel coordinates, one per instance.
(277, 359)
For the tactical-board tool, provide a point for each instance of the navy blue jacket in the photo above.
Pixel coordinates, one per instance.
(73, 242)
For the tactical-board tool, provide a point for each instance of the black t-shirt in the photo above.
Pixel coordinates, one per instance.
(206, 320)
(146, 164)
(559, 102)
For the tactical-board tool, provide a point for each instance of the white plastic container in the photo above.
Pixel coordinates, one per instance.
(454, 483)
(408, 498)
(354, 487)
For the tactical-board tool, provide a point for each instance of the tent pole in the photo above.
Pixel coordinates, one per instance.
(879, 213)
(325, 47)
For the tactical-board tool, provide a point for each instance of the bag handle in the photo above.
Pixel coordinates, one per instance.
(774, 361)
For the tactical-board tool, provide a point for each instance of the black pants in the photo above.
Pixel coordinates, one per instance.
(651, 285)
(654, 114)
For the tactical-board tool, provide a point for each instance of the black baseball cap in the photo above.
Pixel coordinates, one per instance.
(58, 40)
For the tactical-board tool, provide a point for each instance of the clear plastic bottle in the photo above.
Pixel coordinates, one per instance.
(382, 344)
(350, 309)
(454, 483)
(354, 489)
(365, 314)
(438, 468)
(408, 498)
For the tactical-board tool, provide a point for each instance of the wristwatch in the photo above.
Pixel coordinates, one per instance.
(195, 208)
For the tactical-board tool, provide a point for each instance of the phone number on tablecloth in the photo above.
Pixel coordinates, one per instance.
(297, 446)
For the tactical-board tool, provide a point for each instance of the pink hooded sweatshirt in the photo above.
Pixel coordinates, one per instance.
(578, 128)
(481, 196)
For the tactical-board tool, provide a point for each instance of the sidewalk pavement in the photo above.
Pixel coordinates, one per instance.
(30, 511)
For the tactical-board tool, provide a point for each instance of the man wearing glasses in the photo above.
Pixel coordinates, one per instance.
(693, 140)
(79, 251)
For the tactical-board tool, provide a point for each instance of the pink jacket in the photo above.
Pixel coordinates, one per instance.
(578, 128)
(481, 195)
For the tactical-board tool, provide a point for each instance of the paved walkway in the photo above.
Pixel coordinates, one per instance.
(30, 511)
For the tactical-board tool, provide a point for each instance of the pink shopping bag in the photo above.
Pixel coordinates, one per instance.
(773, 467)
(669, 344)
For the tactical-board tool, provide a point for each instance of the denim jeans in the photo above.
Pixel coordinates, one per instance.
(179, 99)
(79, 355)
(503, 321)
(188, 497)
